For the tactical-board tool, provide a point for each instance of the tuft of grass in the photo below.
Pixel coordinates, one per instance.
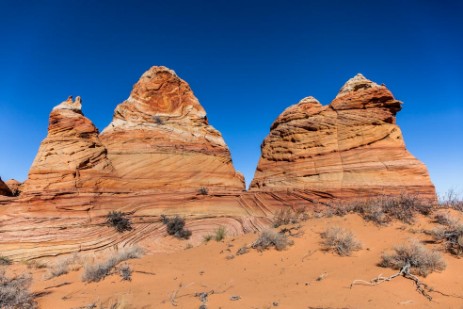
(451, 236)
(340, 240)
(96, 272)
(208, 237)
(61, 267)
(220, 233)
(270, 238)
(176, 227)
(242, 250)
(422, 261)
(14, 292)
(119, 221)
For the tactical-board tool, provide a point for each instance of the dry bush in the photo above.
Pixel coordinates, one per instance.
(444, 218)
(96, 272)
(422, 261)
(242, 250)
(126, 273)
(289, 216)
(14, 292)
(270, 238)
(340, 240)
(451, 200)
(176, 227)
(5, 260)
(451, 236)
(61, 267)
(384, 209)
(119, 221)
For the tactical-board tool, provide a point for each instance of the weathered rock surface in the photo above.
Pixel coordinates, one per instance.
(71, 158)
(4, 189)
(14, 186)
(160, 139)
(350, 148)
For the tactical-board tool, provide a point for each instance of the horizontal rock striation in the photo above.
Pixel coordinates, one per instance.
(160, 139)
(71, 158)
(351, 148)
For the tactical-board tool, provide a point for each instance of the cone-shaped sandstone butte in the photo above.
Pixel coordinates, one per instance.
(160, 139)
(4, 189)
(350, 148)
(71, 158)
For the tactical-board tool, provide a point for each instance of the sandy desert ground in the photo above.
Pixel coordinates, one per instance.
(302, 276)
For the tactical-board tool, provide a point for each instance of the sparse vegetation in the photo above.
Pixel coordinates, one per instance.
(5, 260)
(451, 234)
(203, 191)
(208, 237)
(126, 273)
(14, 292)
(340, 240)
(451, 200)
(158, 120)
(289, 216)
(242, 250)
(416, 257)
(384, 209)
(96, 272)
(119, 221)
(270, 238)
(61, 267)
(176, 227)
(220, 233)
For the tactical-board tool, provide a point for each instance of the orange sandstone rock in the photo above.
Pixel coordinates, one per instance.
(4, 189)
(71, 158)
(160, 139)
(351, 148)
(14, 186)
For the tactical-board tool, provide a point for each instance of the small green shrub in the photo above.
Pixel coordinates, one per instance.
(126, 273)
(203, 191)
(176, 227)
(5, 260)
(289, 216)
(119, 221)
(220, 233)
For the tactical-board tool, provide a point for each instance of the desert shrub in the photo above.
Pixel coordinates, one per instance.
(126, 273)
(383, 209)
(451, 200)
(203, 191)
(158, 120)
(61, 267)
(176, 227)
(421, 260)
(444, 218)
(96, 272)
(208, 237)
(14, 292)
(340, 240)
(220, 233)
(242, 250)
(289, 216)
(5, 260)
(270, 238)
(451, 236)
(119, 221)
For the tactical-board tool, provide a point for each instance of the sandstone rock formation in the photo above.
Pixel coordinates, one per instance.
(160, 139)
(14, 186)
(71, 158)
(350, 148)
(4, 189)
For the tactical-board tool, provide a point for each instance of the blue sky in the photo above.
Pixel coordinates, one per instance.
(246, 61)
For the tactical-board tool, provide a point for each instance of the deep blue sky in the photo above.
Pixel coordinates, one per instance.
(246, 61)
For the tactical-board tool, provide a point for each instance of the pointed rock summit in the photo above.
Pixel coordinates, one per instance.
(160, 138)
(71, 158)
(350, 148)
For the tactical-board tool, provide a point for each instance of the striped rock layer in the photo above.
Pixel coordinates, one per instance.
(350, 148)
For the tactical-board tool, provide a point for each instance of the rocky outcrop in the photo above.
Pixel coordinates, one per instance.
(71, 158)
(350, 148)
(160, 139)
(14, 186)
(4, 189)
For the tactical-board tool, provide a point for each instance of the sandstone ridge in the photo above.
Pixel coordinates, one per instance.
(350, 148)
